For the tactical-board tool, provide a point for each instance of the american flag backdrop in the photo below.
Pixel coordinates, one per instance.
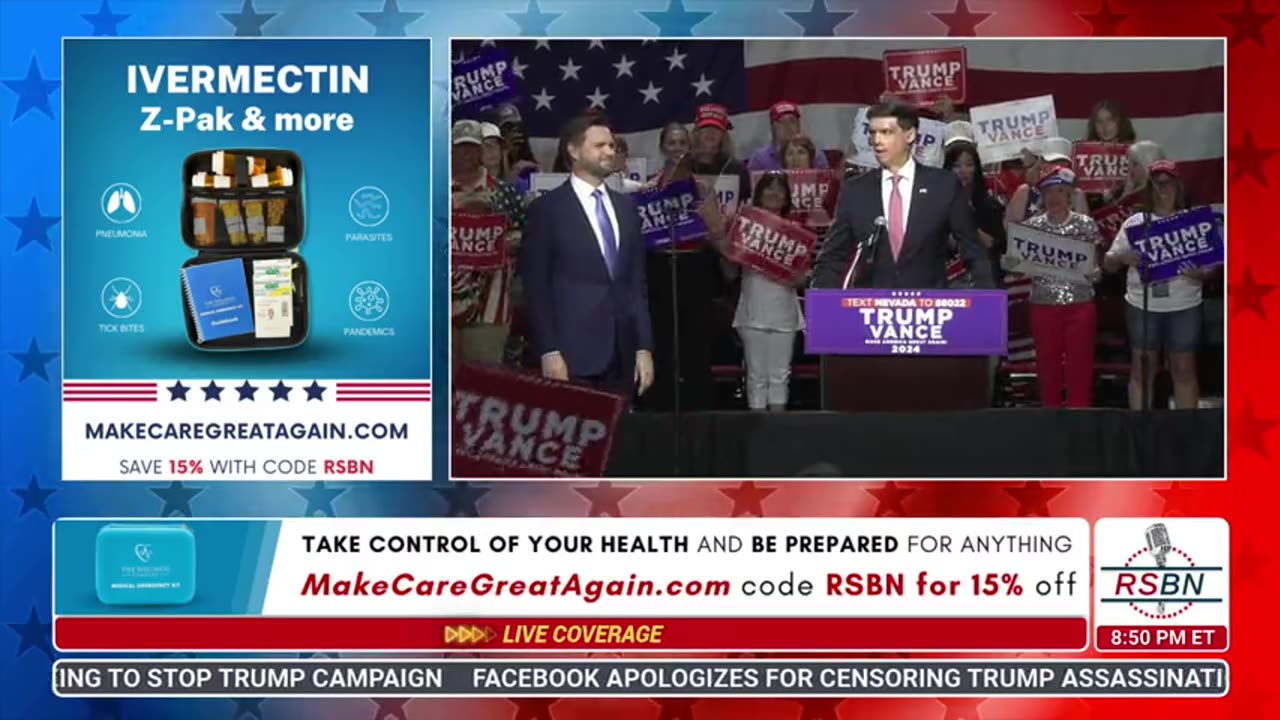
(1173, 90)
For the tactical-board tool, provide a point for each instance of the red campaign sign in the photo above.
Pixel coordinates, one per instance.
(1111, 217)
(509, 424)
(814, 195)
(478, 242)
(1100, 166)
(775, 247)
(923, 76)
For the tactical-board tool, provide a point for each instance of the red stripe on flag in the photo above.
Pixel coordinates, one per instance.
(105, 391)
(861, 80)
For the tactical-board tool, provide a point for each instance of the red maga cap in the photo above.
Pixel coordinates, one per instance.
(782, 108)
(712, 115)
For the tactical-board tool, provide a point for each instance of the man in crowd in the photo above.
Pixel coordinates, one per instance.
(482, 298)
(583, 267)
(922, 207)
(784, 124)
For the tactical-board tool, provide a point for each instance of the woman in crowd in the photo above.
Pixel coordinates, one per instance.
(698, 282)
(798, 153)
(1064, 318)
(493, 153)
(962, 159)
(1173, 319)
(1109, 123)
(1026, 201)
(768, 315)
(1141, 155)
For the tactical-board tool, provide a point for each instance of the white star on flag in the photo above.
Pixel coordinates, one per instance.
(623, 66)
(543, 44)
(595, 44)
(518, 67)
(703, 85)
(597, 98)
(676, 59)
(650, 93)
(570, 70)
(488, 43)
(543, 100)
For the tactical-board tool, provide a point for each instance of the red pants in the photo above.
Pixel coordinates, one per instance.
(1065, 336)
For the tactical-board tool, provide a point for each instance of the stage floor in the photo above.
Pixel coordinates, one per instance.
(994, 444)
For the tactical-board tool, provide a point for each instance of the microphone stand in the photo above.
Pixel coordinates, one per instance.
(1148, 367)
(677, 372)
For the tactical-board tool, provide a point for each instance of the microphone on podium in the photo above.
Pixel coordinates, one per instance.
(865, 248)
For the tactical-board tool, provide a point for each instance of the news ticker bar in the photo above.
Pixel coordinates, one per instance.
(425, 634)
(646, 678)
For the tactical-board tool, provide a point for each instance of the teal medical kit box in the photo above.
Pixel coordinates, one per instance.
(145, 564)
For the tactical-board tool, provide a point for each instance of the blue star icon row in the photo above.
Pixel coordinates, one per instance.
(247, 391)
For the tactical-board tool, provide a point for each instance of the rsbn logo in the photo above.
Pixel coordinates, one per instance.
(1158, 581)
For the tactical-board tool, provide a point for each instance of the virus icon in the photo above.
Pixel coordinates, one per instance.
(369, 301)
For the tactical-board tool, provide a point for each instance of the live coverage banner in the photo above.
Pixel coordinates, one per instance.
(906, 322)
(512, 584)
(508, 424)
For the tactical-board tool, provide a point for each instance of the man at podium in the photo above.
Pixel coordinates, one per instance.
(906, 215)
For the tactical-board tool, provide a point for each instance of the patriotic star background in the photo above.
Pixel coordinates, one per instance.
(30, 345)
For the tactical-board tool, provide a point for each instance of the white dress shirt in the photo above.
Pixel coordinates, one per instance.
(905, 187)
(584, 192)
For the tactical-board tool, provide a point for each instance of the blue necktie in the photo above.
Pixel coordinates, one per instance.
(606, 232)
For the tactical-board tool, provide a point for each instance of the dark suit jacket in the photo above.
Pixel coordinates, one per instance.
(939, 209)
(573, 305)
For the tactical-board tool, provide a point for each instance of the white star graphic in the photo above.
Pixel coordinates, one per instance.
(518, 67)
(595, 44)
(676, 59)
(650, 93)
(623, 66)
(703, 85)
(646, 41)
(543, 100)
(542, 44)
(597, 98)
(489, 43)
(570, 70)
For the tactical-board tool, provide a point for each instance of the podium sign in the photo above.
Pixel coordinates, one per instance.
(906, 322)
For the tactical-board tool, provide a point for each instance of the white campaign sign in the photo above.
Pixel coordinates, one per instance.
(1045, 254)
(1005, 129)
(930, 135)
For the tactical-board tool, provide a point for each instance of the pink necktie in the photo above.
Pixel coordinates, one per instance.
(897, 224)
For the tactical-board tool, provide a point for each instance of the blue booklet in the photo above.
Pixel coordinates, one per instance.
(218, 299)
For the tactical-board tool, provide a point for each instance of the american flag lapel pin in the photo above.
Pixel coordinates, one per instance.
(922, 191)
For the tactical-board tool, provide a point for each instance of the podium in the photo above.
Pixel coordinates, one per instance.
(906, 350)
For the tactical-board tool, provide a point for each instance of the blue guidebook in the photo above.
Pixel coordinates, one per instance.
(218, 299)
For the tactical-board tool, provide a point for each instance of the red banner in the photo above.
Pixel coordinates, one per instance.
(508, 424)
(923, 76)
(1111, 217)
(771, 245)
(1100, 166)
(814, 195)
(478, 242)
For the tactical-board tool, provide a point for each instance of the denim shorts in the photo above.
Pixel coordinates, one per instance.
(1177, 331)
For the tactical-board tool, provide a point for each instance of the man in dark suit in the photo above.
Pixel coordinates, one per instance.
(922, 207)
(583, 264)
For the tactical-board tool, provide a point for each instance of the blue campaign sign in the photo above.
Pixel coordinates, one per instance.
(660, 208)
(483, 80)
(1192, 238)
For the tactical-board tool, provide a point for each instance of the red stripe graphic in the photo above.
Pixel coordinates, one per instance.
(73, 391)
(419, 391)
(1143, 94)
